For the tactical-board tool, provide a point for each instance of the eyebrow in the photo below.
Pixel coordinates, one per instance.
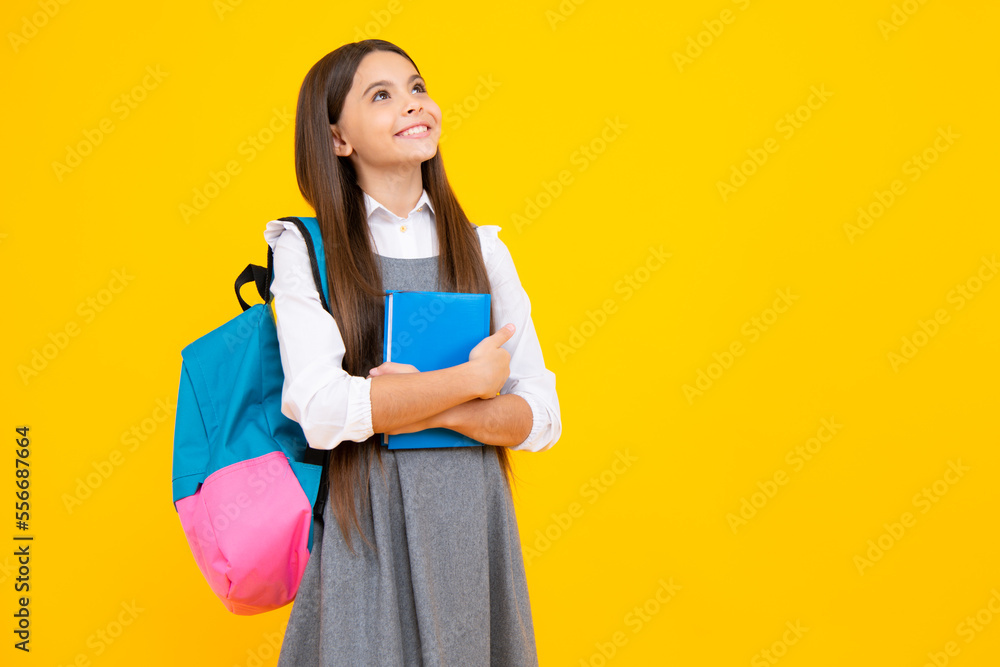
(387, 84)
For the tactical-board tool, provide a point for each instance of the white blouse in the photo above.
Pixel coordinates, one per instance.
(332, 406)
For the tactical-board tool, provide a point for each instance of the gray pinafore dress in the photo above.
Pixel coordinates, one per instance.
(447, 586)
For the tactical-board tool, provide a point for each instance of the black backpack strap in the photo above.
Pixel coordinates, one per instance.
(260, 276)
(313, 455)
(314, 254)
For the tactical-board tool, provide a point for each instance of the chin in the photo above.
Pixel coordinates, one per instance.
(424, 155)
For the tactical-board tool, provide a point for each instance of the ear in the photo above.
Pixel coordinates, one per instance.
(340, 147)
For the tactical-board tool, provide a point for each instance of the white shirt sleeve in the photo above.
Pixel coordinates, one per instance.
(529, 378)
(329, 404)
(332, 406)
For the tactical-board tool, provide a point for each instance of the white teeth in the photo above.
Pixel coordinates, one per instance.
(414, 130)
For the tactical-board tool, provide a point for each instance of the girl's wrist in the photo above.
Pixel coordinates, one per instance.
(470, 380)
(450, 418)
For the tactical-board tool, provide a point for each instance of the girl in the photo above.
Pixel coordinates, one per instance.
(438, 578)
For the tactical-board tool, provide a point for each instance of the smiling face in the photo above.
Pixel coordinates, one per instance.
(387, 98)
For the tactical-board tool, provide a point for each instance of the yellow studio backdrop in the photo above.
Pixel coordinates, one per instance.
(760, 241)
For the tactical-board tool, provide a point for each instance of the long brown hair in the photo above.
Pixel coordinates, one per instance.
(329, 184)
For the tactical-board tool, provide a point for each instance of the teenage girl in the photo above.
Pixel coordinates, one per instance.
(437, 577)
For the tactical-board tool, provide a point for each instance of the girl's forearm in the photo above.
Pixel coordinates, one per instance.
(502, 421)
(399, 399)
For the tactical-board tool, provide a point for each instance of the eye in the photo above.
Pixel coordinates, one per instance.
(417, 86)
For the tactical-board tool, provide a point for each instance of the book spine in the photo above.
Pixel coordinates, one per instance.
(486, 326)
(387, 343)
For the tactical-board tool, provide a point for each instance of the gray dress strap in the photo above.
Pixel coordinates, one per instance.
(447, 585)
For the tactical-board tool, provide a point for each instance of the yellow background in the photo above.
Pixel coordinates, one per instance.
(556, 86)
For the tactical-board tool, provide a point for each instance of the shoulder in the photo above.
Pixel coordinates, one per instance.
(489, 240)
(274, 230)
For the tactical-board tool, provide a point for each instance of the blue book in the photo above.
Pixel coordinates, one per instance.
(431, 331)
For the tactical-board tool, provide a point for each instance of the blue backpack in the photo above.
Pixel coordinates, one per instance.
(246, 485)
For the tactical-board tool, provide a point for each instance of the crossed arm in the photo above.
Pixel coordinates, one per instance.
(405, 400)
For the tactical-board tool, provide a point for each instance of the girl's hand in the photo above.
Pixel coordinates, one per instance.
(492, 362)
(390, 367)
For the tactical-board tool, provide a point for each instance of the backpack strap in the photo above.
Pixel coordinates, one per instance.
(260, 276)
(310, 230)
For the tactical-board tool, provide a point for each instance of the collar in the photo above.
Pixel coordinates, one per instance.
(371, 206)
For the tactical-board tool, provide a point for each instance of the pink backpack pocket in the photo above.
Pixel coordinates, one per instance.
(248, 527)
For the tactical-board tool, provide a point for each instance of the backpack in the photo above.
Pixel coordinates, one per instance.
(247, 487)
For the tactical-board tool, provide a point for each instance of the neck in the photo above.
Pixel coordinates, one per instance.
(397, 190)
